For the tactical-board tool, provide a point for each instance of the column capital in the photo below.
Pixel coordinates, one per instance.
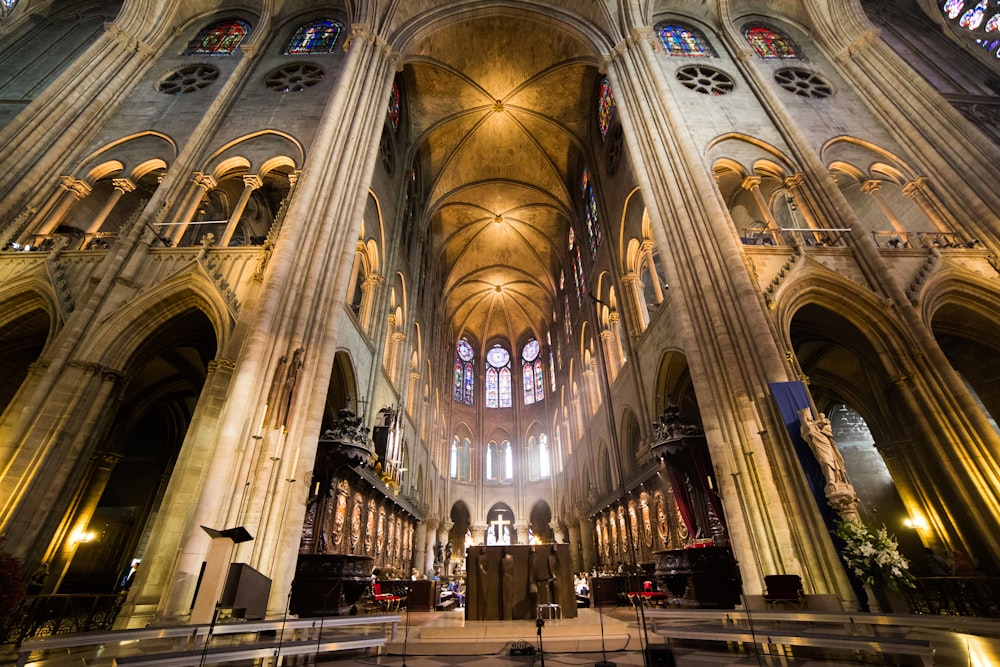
(252, 181)
(206, 181)
(79, 188)
(794, 181)
(871, 186)
(751, 182)
(123, 184)
(916, 186)
(630, 278)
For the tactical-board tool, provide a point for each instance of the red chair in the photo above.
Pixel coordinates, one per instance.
(783, 589)
(385, 601)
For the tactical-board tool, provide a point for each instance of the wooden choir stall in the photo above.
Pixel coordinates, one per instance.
(509, 582)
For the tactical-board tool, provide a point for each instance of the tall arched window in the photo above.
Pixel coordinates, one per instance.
(465, 375)
(499, 462)
(220, 39)
(7, 6)
(315, 37)
(680, 40)
(539, 466)
(590, 213)
(395, 105)
(531, 371)
(498, 385)
(768, 43)
(460, 464)
(605, 108)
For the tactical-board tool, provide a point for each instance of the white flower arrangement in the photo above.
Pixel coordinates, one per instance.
(873, 555)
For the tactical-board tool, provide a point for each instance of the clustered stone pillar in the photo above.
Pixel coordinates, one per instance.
(872, 188)
(430, 537)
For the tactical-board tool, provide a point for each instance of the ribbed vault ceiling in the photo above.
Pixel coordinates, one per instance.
(500, 111)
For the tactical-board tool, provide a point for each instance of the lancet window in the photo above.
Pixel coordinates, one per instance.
(315, 37)
(680, 40)
(498, 378)
(769, 43)
(531, 370)
(465, 374)
(605, 108)
(220, 39)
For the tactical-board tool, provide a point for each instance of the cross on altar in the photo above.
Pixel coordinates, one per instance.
(499, 528)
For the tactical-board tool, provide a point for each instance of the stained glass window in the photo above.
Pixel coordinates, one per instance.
(605, 107)
(465, 376)
(567, 320)
(581, 282)
(498, 378)
(770, 44)
(681, 41)
(552, 363)
(395, 105)
(543, 456)
(993, 24)
(531, 369)
(315, 37)
(953, 8)
(220, 39)
(562, 279)
(7, 5)
(973, 18)
(590, 213)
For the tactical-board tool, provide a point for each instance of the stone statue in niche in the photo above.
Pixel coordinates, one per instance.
(662, 527)
(380, 533)
(633, 519)
(647, 521)
(370, 527)
(356, 522)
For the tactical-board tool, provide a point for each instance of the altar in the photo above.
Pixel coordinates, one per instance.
(509, 582)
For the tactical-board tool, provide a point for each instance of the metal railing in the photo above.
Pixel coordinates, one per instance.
(955, 596)
(46, 615)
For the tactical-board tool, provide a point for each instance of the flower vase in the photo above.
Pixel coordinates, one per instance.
(878, 599)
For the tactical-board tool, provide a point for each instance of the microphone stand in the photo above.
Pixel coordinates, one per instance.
(406, 623)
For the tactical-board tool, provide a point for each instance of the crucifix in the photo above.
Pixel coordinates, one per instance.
(500, 530)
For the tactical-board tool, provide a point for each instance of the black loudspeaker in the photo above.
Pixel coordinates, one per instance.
(660, 656)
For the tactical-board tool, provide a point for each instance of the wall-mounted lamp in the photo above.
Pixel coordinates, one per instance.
(916, 522)
(79, 536)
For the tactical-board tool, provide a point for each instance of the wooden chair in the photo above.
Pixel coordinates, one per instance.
(385, 601)
(783, 589)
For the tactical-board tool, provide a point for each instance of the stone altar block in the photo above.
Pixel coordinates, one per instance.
(508, 582)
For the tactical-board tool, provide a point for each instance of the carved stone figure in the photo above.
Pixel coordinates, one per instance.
(818, 433)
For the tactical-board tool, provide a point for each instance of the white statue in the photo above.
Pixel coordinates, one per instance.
(819, 434)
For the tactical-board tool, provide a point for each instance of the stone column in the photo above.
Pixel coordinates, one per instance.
(72, 191)
(420, 547)
(632, 286)
(442, 539)
(752, 183)
(608, 343)
(121, 186)
(614, 320)
(587, 542)
(557, 531)
(521, 529)
(202, 185)
(872, 188)
(575, 548)
(919, 191)
(251, 182)
(430, 538)
(647, 251)
(478, 531)
(101, 467)
(369, 290)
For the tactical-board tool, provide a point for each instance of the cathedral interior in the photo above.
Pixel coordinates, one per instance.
(387, 281)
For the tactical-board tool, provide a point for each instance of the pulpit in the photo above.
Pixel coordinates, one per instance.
(704, 578)
(509, 582)
(329, 584)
